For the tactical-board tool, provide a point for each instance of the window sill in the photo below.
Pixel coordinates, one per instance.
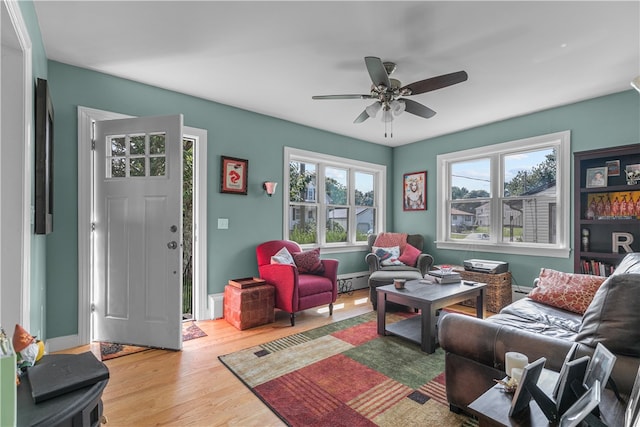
(542, 251)
(333, 249)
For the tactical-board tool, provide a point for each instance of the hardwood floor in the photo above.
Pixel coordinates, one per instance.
(191, 387)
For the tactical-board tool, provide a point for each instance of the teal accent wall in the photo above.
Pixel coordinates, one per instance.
(38, 289)
(253, 218)
(607, 121)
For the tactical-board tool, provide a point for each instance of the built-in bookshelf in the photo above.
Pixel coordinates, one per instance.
(607, 207)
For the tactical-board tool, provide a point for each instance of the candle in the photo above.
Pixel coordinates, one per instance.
(514, 359)
(516, 374)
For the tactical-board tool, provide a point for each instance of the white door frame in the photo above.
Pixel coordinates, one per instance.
(16, 168)
(86, 117)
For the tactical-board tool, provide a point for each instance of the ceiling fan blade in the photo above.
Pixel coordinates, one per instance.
(353, 96)
(434, 83)
(362, 117)
(376, 70)
(418, 109)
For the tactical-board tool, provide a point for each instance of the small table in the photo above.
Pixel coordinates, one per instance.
(428, 298)
(492, 408)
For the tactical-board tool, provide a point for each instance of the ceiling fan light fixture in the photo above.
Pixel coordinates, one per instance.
(635, 83)
(387, 116)
(373, 109)
(398, 107)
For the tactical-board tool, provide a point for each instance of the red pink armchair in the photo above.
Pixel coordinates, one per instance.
(298, 289)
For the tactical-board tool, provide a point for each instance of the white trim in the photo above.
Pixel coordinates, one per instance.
(86, 117)
(23, 125)
(561, 249)
(380, 173)
(200, 220)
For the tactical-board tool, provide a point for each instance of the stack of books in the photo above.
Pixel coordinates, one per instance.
(445, 278)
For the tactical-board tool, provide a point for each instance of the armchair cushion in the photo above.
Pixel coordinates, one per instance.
(388, 255)
(283, 256)
(309, 261)
(410, 255)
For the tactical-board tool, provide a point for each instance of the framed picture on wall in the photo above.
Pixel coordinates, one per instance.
(234, 174)
(414, 191)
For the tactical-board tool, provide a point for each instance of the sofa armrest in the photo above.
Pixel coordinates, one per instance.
(424, 263)
(373, 262)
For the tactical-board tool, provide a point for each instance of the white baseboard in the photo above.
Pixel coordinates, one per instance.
(62, 343)
(353, 281)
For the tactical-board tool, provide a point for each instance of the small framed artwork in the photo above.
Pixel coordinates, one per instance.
(633, 174)
(613, 167)
(234, 174)
(597, 177)
(414, 191)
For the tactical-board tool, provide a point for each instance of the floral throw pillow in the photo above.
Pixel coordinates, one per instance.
(388, 256)
(283, 256)
(309, 262)
(568, 291)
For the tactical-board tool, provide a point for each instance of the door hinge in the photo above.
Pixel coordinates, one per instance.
(93, 226)
(93, 307)
(93, 144)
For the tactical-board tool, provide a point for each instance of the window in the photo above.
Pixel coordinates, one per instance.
(507, 198)
(332, 201)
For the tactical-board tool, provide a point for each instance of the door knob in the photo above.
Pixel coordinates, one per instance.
(172, 245)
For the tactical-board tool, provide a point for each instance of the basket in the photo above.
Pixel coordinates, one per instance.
(497, 294)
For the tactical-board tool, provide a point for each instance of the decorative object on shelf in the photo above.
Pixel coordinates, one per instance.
(633, 174)
(234, 174)
(414, 191)
(613, 167)
(597, 177)
(270, 187)
(621, 240)
(613, 206)
(585, 240)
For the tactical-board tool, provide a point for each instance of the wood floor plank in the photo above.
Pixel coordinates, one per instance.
(191, 387)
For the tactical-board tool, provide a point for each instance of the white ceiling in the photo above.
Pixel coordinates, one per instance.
(271, 57)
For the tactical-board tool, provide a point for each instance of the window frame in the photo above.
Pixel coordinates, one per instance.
(561, 141)
(322, 161)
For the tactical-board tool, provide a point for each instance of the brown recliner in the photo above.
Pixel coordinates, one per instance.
(380, 275)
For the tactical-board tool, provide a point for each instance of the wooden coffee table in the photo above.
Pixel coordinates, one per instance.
(428, 298)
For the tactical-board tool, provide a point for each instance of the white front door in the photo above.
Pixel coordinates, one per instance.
(138, 232)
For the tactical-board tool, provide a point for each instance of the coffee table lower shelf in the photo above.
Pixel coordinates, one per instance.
(410, 329)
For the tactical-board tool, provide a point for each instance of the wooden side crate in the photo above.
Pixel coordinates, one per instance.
(497, 294)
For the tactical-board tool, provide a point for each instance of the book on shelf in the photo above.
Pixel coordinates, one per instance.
(596, 268)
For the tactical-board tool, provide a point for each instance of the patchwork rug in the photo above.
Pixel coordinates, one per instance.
(345, 374)
(110, 350)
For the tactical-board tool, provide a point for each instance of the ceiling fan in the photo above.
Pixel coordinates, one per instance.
(389, 93)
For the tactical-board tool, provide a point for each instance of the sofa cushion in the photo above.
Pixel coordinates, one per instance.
(388, 255)
(283, 256)
(309, 261)
(409, 255)
(529, 315)
(613, 316)
(568, 291)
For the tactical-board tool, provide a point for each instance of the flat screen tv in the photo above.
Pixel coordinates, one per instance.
(44, 160)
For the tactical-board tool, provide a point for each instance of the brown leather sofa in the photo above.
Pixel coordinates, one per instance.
(475, 348)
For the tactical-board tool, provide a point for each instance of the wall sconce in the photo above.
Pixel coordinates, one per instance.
(636, 83)
(270, 187)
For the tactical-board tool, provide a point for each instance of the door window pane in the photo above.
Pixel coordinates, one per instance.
(118, 168)
(136, 145)
(157, 143)
(118, 146)
(157, 165)
(137, 167)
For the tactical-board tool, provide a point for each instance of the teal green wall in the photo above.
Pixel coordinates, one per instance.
(38, 243)
(601, 122)
(231, 132)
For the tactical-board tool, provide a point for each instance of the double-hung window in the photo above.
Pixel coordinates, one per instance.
(332, 201)
(511, 197)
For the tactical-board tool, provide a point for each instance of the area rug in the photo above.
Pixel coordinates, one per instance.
(345, 374)
(109, 350)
